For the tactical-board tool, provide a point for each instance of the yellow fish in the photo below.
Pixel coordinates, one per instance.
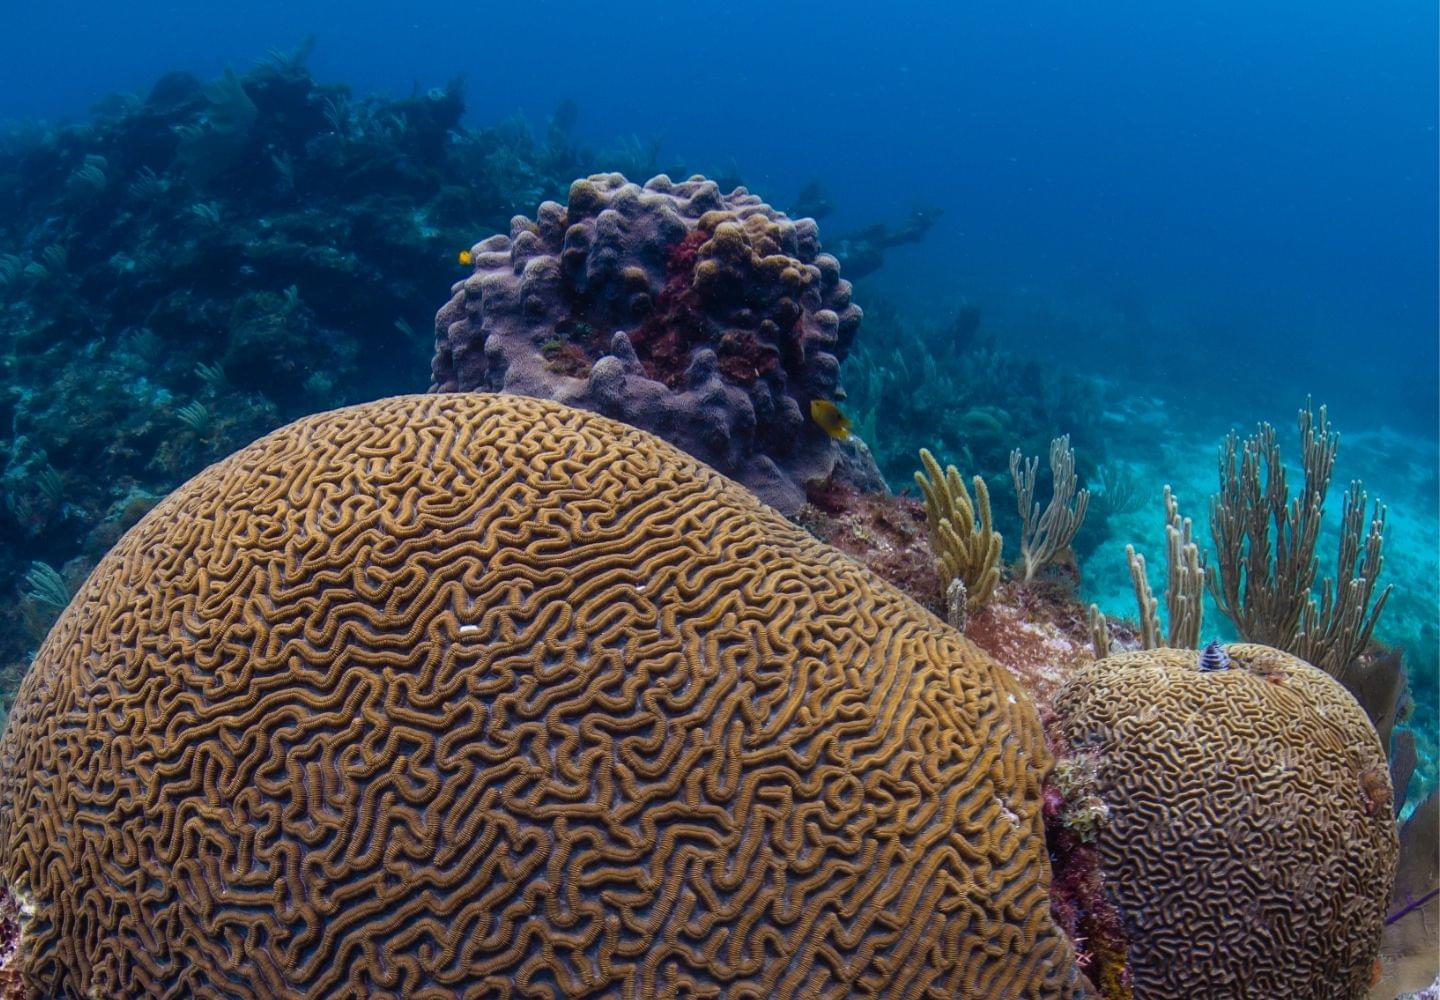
(830, 419)
(466, 257)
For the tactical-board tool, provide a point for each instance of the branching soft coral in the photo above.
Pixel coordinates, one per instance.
(966, 546)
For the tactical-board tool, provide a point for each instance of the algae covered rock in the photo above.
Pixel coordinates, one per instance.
(709, 319)
(1246, 833)
(464, 695)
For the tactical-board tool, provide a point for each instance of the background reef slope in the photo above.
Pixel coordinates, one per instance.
(205, 263)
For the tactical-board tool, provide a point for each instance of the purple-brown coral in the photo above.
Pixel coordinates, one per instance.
(711, 320)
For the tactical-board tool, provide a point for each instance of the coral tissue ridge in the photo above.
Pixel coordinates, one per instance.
(469, 695)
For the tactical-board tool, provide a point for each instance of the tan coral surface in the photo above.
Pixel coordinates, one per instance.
(1250, 843)
(470, 695)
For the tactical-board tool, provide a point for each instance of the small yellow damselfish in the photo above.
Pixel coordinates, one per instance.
(830, 419)
(466, 257)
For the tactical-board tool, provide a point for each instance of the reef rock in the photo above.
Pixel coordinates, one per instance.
(476, 695)
(711, 320)
(1244, 825)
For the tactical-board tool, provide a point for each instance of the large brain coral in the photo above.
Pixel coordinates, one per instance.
(473, 695)
(709, 319)
(1249, 844)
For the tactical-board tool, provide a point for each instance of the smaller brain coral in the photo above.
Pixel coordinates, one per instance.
(711, 320)
(1245, 842)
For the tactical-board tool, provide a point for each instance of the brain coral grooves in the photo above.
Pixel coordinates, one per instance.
(470, 695)
(709, 319)
(1249, 843)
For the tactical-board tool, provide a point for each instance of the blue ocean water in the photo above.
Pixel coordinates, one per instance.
(1209, 212)
(1243, 192)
